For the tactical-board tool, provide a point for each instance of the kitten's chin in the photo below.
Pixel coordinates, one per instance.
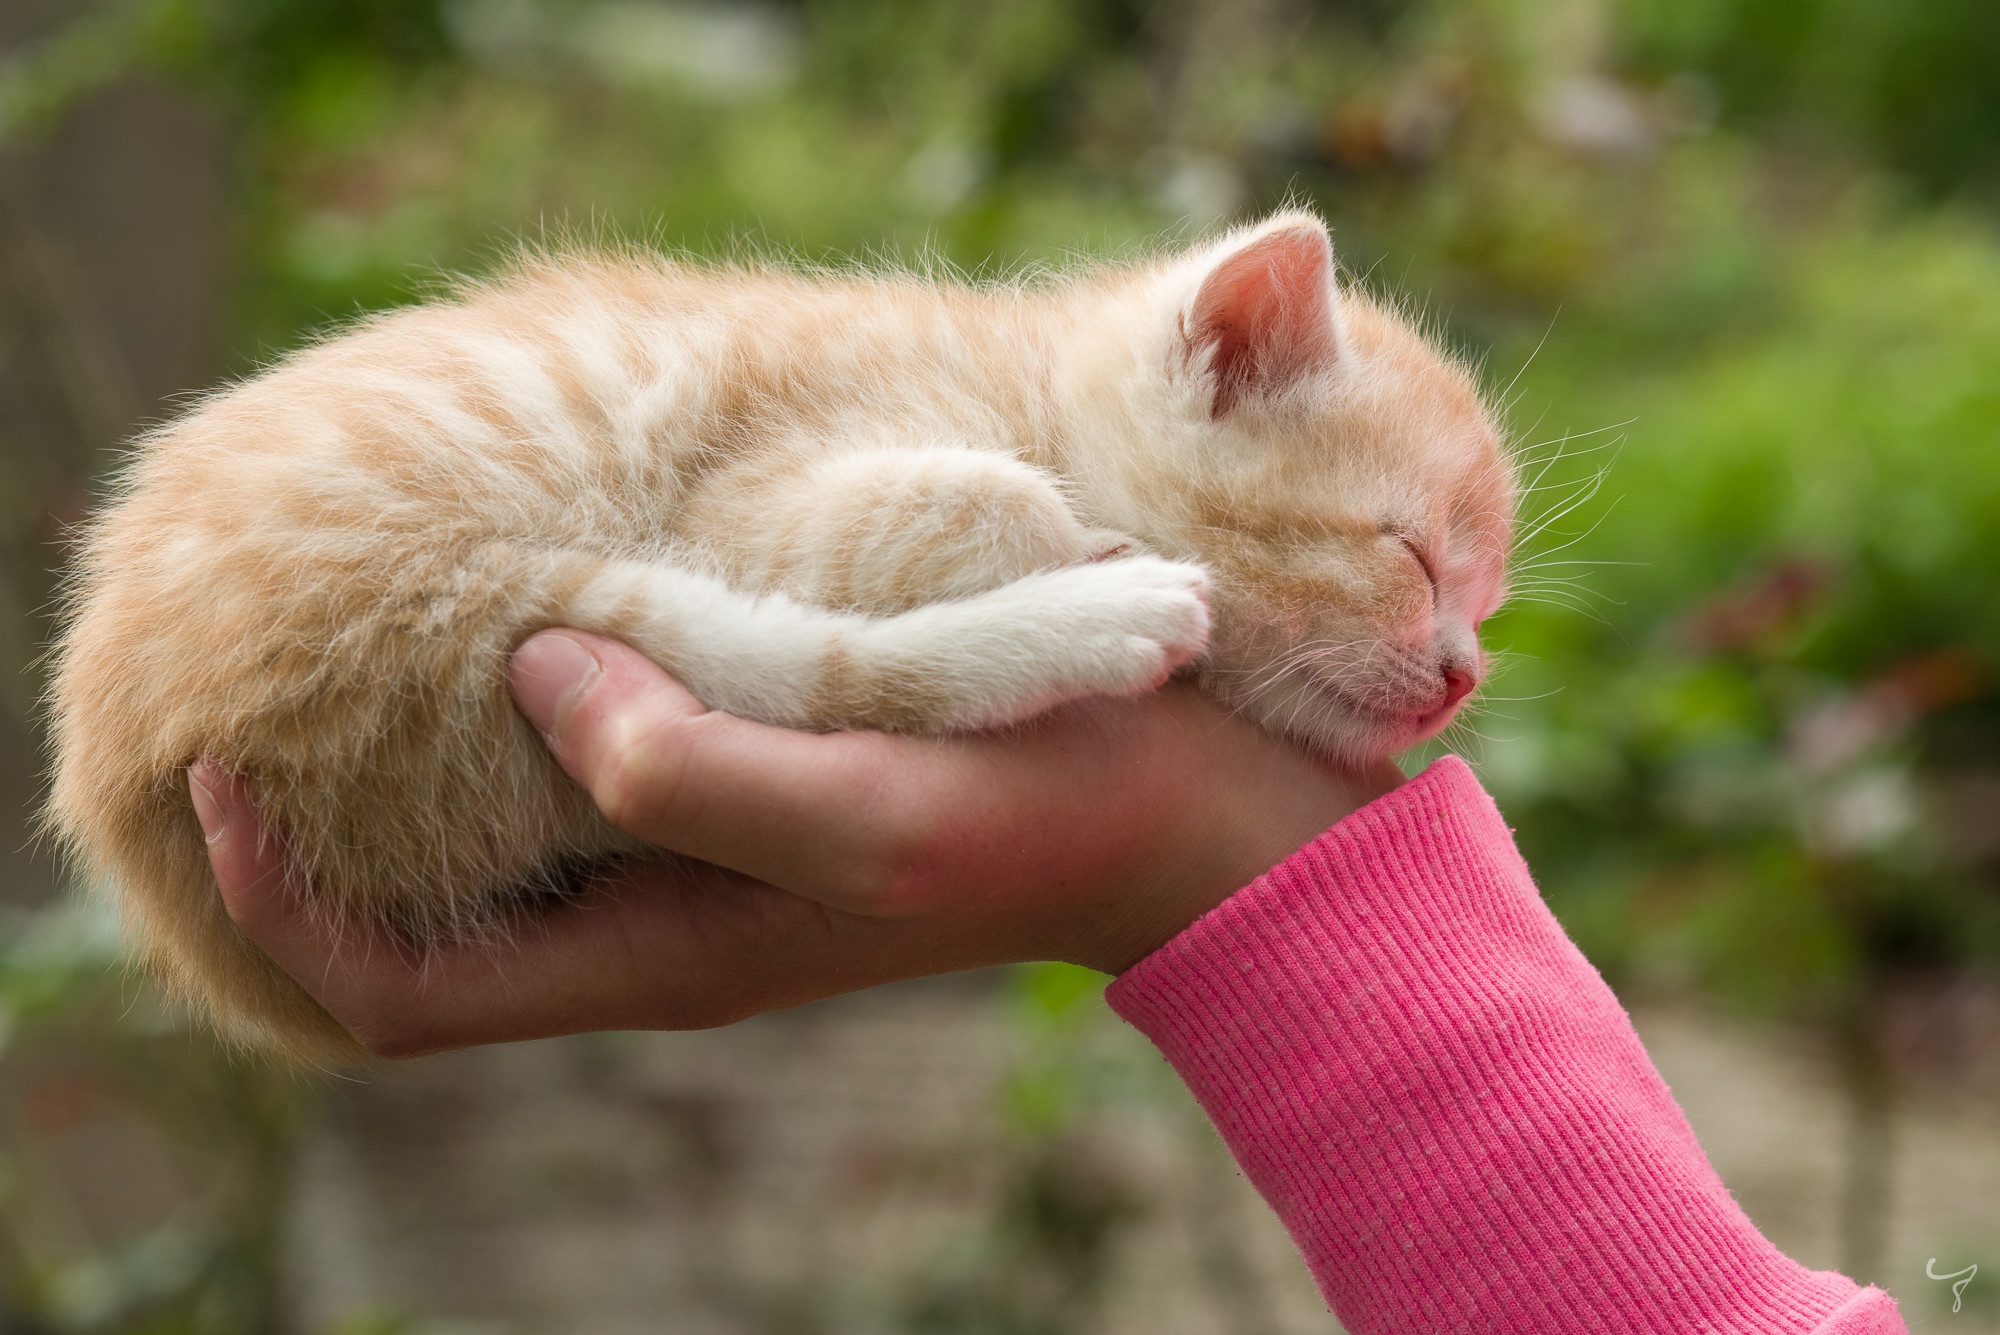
(1339, 726)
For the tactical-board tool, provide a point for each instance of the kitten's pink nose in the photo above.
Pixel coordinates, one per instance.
(1458, 684)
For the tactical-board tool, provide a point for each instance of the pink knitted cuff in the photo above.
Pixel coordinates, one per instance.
(1447, 1106)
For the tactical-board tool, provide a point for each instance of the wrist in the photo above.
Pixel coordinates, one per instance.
(1265, 801)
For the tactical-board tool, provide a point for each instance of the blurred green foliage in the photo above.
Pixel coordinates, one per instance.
(1911, 85)
(1772, 779)
(1733, 267)
(143, 1177)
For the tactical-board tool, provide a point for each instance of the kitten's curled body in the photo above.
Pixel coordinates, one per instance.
(823, 501)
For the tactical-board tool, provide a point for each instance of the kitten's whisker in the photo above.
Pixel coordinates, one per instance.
(1539, 484)
(1559, 441)
(1568, 507)
(1569, 487)
(1582, 609)
(1531, 356)
(1556, 593)
(1518, 699)
(1573, 539)
(1558, 451)
(1563, 587)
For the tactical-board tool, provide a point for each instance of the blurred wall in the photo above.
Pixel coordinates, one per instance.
(114, 272)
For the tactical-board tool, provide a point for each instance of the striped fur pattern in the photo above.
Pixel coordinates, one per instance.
(849, 500)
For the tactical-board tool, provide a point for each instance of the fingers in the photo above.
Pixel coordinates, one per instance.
(356, 977)
(655, 945)
(249, 862)
(819, 814)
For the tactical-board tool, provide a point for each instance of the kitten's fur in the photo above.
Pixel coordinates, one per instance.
(867, 501)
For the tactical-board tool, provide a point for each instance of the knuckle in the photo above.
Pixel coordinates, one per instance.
(618, 786)
(637, 781)
(913, 865)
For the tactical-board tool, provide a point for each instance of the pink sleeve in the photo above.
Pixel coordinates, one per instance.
(1447, 1106)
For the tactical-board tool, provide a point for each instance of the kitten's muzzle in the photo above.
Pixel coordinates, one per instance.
(1420, 706)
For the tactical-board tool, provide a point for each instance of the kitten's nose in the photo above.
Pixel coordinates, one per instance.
(1458, 684)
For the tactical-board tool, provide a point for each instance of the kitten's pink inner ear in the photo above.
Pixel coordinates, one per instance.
(1267, 311)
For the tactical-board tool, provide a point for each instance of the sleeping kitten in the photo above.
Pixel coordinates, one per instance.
(862, 501)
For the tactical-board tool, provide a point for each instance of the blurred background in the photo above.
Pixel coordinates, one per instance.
(1733, 268)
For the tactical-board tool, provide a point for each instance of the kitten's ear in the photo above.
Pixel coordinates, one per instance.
(1264, 314)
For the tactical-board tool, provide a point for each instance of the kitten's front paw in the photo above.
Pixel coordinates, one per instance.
(1119, 627)
(1125, 625)
(1163, 616)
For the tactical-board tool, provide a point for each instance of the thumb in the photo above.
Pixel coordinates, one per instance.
(808, 812)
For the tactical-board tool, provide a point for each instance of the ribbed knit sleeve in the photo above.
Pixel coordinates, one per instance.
(1446, 1104)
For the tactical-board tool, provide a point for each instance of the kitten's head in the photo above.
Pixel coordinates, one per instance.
(1339, 476)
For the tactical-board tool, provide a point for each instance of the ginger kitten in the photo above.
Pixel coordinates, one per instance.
(857, 501)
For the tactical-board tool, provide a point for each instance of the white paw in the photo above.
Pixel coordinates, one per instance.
(1125, 625)
(1117, 627)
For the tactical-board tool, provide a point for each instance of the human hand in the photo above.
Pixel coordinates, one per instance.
(833, 861)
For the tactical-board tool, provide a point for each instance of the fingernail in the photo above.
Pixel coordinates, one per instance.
(207, 809)
(552, 672)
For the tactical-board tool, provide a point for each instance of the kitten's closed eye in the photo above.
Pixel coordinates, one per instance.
(1415, 551)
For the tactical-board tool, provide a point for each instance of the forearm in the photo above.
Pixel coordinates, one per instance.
(1447, 1106)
